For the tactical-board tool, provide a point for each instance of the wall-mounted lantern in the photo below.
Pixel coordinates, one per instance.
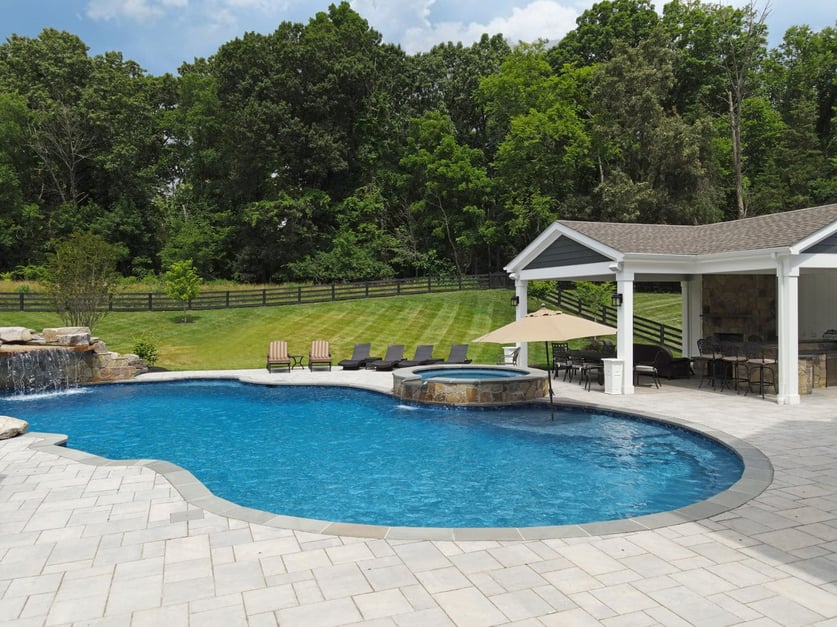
(515, 300)
(616, 299)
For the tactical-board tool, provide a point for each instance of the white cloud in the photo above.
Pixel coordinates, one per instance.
(411, 22)
(138, 10)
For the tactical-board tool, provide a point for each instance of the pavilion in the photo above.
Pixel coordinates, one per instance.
(725, 270)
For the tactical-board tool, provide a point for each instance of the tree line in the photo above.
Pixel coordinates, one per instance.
(320, 153)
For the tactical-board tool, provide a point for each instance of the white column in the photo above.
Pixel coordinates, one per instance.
(788, 318)
(692, 308)
(521, 290)
(625, 329)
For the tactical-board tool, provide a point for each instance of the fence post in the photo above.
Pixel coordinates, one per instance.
(299, 294)
(333, 293)
(366, 289)
(110, 302)
(398, 287)
(429, 285)
(150, 301)
(228, 299)
(22, 301)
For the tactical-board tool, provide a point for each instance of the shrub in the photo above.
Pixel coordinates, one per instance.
(145, 347)
(541, 290)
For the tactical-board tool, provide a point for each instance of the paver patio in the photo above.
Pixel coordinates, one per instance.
(117, 544)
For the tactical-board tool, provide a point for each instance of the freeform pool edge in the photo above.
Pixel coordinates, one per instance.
(755, 478)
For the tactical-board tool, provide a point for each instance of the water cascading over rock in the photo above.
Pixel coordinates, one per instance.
(59, 358)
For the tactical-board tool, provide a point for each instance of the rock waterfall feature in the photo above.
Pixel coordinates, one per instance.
(59, 358)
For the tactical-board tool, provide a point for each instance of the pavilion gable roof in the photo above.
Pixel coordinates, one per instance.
(776, 230)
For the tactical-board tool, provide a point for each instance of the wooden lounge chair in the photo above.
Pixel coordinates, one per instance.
(458, 354)
(360, 357)
(320, 354)
(423, 356)
(395, 353)
(277, 355)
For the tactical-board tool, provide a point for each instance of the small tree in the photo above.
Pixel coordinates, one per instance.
(183, 283)
(594, 294)
(81, 278)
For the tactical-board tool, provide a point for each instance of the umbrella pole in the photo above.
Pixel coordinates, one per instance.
(549, 378)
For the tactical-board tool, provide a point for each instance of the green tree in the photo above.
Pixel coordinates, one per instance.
(655, 166)
(183, 283)
(82, 278)
(602, 27)
(449, 185)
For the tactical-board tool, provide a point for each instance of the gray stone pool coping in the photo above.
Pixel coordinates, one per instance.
(756, 477)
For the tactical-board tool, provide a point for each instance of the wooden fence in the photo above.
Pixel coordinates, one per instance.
(272, 296)
(644, 328)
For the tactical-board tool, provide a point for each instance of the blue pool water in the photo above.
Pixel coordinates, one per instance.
(468, 373)
(354, 456)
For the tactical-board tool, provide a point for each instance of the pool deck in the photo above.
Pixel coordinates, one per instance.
(87, 542)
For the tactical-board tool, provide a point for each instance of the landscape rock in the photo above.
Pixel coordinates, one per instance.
(67, 336)
(11, 427)
(14, 335)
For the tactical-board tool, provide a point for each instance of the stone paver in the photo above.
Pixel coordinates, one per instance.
(85, 541)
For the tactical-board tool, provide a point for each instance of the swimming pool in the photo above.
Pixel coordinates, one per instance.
(349, 455)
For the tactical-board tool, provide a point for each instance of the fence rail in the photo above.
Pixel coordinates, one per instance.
(644, 328)
(272, 296)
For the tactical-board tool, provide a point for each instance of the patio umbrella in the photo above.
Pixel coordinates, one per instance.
(546, 325)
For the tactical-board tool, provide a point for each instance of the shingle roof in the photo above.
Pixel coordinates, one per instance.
(775, 230)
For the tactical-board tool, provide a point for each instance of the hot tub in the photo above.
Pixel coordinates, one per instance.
(457, 384)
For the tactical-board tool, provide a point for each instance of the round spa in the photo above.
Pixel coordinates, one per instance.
(455, 384)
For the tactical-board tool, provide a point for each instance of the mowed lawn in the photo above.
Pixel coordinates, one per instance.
(238, 338)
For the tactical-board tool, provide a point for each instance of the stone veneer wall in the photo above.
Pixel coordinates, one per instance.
(507, 391)
(739, 303)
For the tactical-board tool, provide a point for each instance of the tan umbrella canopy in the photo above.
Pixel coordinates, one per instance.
(546, 325)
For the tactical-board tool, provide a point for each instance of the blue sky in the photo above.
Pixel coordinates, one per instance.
(161, 34)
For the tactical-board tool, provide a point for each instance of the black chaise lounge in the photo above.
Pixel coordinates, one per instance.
(423, 356)
(360, 357)
(458, 354)
(395, 353)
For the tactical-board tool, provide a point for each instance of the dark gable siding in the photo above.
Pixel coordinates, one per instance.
(565, 252)
(828, 245)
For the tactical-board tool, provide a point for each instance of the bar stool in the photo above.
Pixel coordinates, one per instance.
(710, 357)
(733, 361)
(757, 361)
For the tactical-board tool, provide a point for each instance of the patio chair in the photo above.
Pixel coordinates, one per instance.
(649, 370)
(395, 353)
(277, 355)
(360, 357)
(320, 354)
(458, 354)
(512, 358)
(561, 359)
(423, 357)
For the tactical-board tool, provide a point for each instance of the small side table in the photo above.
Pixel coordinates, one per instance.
(297, 361)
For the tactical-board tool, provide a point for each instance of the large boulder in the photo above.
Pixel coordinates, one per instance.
(67, 336)
(11, 427)
(14, 335)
